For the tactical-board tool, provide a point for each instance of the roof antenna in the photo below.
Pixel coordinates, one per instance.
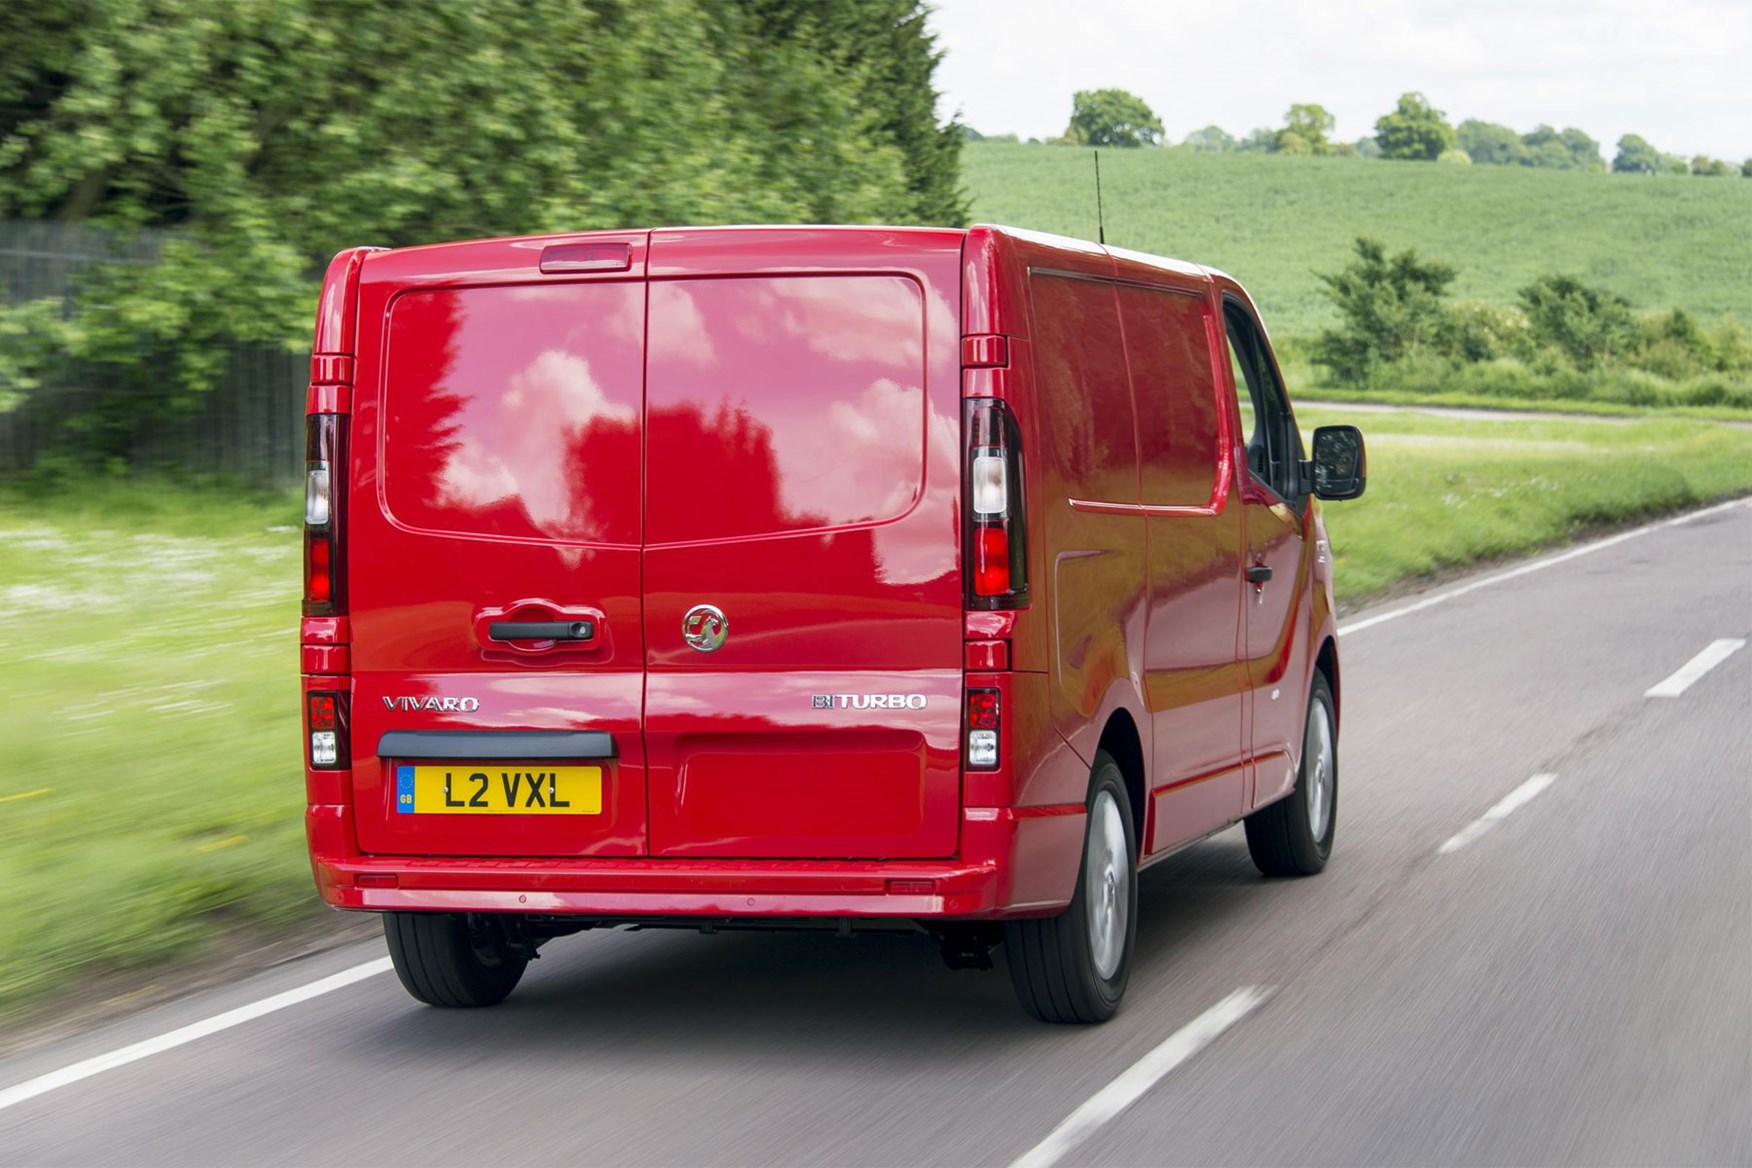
(1100, 219)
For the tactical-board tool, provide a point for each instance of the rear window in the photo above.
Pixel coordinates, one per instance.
(781, 404)
(1085, 398)
(1174, 387)
(514, 411)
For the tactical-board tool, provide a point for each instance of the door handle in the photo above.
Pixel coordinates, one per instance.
(1258, 574)
(535, 628)
(581, 630)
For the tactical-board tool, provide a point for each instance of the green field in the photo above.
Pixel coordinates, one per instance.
(1273, 221)
(152, 793)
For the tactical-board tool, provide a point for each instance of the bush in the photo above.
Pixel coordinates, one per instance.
(1588, 325)
(1392, 309)
(1482, 331)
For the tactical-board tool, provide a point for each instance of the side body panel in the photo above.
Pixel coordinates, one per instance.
(1084, 469)
(1193, 524)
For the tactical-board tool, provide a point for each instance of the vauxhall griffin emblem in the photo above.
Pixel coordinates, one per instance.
(704, 627)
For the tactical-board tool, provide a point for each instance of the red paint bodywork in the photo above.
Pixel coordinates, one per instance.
(769, 420)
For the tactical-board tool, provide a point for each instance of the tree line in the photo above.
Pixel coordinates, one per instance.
(265, 135)
(1413, 130)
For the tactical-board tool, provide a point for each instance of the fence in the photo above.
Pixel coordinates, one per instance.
(250, 427)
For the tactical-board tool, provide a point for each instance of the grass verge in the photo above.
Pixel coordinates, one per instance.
(1448, 492)
(1473, 401)
(152, 797)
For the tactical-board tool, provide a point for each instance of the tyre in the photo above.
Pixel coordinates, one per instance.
(443, 961)
(1293, 837)
(1074, 967)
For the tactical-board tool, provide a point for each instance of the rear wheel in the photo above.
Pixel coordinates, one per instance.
(1293, 837)
(444, 961)
(1074, 967)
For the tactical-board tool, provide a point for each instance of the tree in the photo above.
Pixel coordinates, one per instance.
(1583, 149)
(885, 51)
(1706, 167)
(1636, 156)
(1112, 117)
(1589, 325)
(1210, 140)
(271, 133)
(1311, 123)
(1489, 144)
(1746, 169)
(1414, 130)
(888, 48)
(1455, 157)
(1261, 141)
(1391, 309)
(1368, 148)
(1569, 149)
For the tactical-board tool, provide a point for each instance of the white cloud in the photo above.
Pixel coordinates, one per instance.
(547, 406)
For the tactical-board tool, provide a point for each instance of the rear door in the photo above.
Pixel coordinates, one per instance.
(496, 438)
(803, 595)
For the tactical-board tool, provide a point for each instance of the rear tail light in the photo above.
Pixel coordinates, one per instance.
(982, 729)
(323, 469)
(326, 729)
(997, 528)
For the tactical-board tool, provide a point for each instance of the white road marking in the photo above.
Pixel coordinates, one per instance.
(1712, 656)
(1138, 1078)
(1526, 569)
(1502, 809)
(98, 1064)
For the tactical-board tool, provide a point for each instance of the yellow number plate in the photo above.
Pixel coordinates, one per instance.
(498, 789)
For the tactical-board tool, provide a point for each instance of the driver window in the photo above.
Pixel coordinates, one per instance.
(1245, 392)
(1274, 446)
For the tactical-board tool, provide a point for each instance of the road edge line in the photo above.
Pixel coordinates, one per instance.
(1537, 565)
(183, 1035)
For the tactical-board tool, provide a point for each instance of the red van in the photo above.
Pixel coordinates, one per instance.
(851, 577)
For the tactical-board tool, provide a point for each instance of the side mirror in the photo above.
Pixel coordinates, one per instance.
(1340, 465)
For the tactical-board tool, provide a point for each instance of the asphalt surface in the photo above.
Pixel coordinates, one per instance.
(1572, 986)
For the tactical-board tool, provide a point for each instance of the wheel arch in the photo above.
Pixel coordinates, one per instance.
(1326, 661)
(1122, 742)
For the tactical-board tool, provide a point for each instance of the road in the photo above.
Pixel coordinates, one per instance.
(1564, 979)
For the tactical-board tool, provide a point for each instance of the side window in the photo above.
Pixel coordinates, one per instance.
(1274, 445)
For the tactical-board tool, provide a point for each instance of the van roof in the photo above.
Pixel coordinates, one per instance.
(1041, 239)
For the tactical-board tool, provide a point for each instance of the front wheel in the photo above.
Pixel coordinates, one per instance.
(1293, 837)
(1074, 967)
(444, 960)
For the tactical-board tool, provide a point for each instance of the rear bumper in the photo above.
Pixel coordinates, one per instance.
(1013, 862)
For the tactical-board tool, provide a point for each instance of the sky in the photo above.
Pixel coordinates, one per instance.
(1678, 72)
